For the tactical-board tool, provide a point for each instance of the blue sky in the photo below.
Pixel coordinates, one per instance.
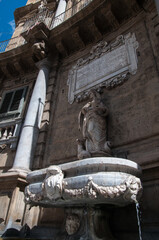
(7, 25)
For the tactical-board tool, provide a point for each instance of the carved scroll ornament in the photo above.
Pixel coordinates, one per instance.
(51, 187)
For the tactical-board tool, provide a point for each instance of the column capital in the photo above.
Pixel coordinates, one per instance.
(43, 63)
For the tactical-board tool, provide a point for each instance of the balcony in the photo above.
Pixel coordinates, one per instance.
(69, 13)
(9, 132)
(11, 43)
(47, 17)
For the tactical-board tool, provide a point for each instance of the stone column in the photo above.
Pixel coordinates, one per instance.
(59, 17)
(29, 135)
(157, 5)
(68, 13)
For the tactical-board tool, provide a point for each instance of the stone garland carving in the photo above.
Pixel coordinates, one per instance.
(33, 197)
(100, 49)
(92, 124)
(128, 190)
(108, 84)
(124, 46)
(55, 188)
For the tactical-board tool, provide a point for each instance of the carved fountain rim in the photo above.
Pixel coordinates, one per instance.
(109, 162)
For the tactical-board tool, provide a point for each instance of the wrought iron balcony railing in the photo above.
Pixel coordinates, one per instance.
(11, 43)
(45, 16)
(48, 18)
(69, 13)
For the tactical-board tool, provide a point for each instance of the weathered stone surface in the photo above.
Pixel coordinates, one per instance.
(132, 121)
(87, 184)
(93, 125)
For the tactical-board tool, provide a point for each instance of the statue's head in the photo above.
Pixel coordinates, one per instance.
(94, 95)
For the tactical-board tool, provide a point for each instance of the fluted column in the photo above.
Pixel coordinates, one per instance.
(29, 135)
(59, 17)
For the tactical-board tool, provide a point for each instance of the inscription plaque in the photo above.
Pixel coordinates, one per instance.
(107, 65)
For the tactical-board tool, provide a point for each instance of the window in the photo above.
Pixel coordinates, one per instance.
(12, 103)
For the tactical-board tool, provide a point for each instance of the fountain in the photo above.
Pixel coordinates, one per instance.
(85, 186)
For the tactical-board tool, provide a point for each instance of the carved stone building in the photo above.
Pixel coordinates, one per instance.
(60, 52)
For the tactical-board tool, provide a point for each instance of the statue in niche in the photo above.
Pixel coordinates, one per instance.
(93, 125)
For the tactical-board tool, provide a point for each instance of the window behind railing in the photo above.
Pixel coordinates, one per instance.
(12, 103)
(11, 108)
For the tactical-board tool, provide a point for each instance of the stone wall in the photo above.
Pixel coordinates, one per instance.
(133, 125)
(133, 130)
(132, 106)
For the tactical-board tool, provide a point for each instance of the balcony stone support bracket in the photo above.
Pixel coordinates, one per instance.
(39, 31)
(76, 37)
(30, 130)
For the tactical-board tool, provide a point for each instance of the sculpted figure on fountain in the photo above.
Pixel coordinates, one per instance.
(93, 125)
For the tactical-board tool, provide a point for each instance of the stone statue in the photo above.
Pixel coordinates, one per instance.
(39, 50)
(93, 125)
(53, 183)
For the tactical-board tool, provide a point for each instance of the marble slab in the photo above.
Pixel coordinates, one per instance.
(107, 65)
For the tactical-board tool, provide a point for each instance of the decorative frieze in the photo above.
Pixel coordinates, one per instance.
(112, 186)
(56, 189)
(107, 65)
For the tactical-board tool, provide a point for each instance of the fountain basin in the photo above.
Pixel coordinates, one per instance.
(92, 181)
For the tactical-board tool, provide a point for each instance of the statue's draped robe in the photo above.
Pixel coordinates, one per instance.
(92, 123)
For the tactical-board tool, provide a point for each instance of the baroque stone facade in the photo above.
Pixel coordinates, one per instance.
(60, 53)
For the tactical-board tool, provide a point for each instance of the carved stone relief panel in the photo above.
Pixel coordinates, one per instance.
(107, 65)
